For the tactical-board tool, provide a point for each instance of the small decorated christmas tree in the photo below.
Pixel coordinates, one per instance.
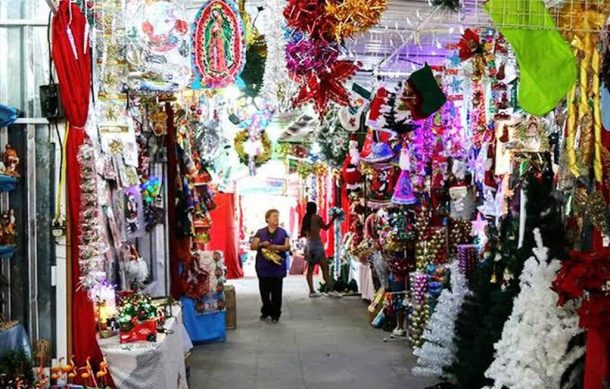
(438, 350)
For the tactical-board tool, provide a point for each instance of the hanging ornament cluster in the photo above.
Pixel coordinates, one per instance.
(92, 261)
(460, 233)
(333, 140)
(467, 258)
(312, 53)
(420, 312)
(219, 46)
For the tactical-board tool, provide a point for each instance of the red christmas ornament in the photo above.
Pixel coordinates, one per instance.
(326, 86)
(309, 16)
(469, 45)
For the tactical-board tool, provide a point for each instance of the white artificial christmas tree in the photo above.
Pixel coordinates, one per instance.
(438, 350)
(533, 351)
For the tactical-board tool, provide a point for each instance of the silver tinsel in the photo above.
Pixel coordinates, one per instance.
(438, 349)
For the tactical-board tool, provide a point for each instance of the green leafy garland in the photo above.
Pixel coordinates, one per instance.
(135, 306)
(333, 140)
(260, 159)
(252, 75)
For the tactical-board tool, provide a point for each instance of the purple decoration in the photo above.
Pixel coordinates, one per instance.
(304, 56)
(466, 256)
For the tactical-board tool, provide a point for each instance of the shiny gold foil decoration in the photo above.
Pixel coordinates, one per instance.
(581, 24)
(354, 16)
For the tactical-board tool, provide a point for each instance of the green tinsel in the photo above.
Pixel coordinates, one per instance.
(253, 72)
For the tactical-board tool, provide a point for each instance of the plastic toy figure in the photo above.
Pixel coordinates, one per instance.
(11, 161)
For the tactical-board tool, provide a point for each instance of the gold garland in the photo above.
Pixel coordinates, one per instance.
(259, 159)
(583, 145)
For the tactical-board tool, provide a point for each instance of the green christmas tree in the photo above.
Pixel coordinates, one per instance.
(495, 283)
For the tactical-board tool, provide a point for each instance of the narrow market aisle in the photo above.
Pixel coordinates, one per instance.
(318, 343)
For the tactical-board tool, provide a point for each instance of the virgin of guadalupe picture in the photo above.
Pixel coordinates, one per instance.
(218, 44)
(218, 37)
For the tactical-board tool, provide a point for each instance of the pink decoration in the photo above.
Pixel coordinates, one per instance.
(307, 55)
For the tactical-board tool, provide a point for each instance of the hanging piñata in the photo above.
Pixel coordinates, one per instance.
(219, 53)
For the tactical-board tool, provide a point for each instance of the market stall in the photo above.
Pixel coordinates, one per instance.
(465, 167)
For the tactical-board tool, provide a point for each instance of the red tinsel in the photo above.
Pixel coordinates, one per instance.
(587, 276)
(326, 86)
(308, 16)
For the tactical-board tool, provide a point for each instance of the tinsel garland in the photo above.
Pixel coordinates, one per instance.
(92, 261)
(535, 349)
(333, 140)
(305, 55)
(354, 16)
(583, 140)
(253, 72)
(276, 82)
(438, 349)
(308, 16)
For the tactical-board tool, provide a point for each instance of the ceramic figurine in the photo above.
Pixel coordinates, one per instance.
(11, 161)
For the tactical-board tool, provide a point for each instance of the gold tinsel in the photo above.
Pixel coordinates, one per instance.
(581, 24)
(354, 16)
(596, 207)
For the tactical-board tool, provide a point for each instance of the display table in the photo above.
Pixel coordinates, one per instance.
(13, 339)
(151, 365)
(364, 277)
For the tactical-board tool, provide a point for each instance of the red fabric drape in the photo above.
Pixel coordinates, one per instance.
(176, 249)
(73, 65)
(224, 233)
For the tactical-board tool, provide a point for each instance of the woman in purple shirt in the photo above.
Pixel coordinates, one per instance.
(271, 244)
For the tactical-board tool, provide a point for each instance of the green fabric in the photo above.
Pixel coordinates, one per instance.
(432, 97)
(547, 64)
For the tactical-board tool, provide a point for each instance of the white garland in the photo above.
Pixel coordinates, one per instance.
(438, 350)
(533, 351)
(276, 83)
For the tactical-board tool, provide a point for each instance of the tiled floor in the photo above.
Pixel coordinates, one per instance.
(318, 343)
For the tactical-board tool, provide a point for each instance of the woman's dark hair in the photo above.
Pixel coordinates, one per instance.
(310, 210)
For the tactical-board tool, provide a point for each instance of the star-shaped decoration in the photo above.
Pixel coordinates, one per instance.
(456, 85)
(326, 87)
(478, 230)
(454, 60)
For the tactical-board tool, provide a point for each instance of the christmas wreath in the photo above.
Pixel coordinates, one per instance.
(259, 159)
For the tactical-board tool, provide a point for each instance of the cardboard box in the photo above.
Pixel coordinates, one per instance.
(230, 307)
